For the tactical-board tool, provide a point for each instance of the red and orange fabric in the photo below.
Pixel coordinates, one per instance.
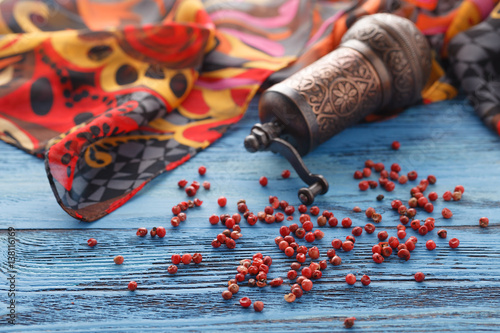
(114, 93)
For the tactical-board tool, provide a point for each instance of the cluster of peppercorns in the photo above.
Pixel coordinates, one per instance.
(233, 232)
(195, 185)
(155, 231)
(258, 267)
(179, 209)
(185, 259)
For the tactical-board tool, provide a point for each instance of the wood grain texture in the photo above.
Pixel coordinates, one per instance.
(63, 285)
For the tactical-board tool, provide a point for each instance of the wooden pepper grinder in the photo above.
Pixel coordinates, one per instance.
(382, 63)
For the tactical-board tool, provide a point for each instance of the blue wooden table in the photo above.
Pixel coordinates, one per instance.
(62, 285)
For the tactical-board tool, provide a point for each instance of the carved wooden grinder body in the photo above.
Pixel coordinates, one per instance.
(383, 63)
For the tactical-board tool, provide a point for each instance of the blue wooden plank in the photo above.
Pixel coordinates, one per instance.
(63, 285)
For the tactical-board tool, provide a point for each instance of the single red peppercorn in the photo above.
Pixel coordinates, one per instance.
(393, 175)
(258, 306)
(206, 185)
(313, 252)
(429, 207)
(402, 210)
(395, 145)
(415, 224)
(350, 239)
(459, 188)
(454, 242)
(419, 276)
(395, 204)
(197, 258)
(330, 253)
(457, 195)
(357, 231)
(431, 179)
(132, 285)
(172, 269)
(483, 223)
(263, 181)
(289, 210)
(433, 196)
(302, 209)
(336, 243)
(321, 221)
(227, 295)
(196, 185)
(174, 221)
(300, 233)
(412, 175)
(216, 243)
(318, 234)
(365, 280)
(378, 258)
(442, 233)
(369, 228)
(332, 221)
(289, 239)
(161, 232)
(384, 174)
(446, 213)
(395, 167)
(349, 322)
(410, 245)
(285, 173)
(308, 225)
(423, 230)
(314, 210)
(350, 279)
(401, 234)
(190, 191)
(369, 212)
(182, 183)
(404, 254)
(213, 219)
(346, 222)
(372, 184)
(176, 259)
(369, 163)
(233, 288)
(379, 167)
(447, 196)
(186, 258)
(118, 260)
(289, 251)
(393, 242)
(306, 284)
(390, 186)
(202, 170)
(245, 302)
(358, 174)
(430, 245)
(411, 212)
(347, 246)
(222, 201)
(309, 237)
(367, 172)
(363, 185)
(382, 235)
(93, 242)
(336, 260)
(403, 179)
(291, 275)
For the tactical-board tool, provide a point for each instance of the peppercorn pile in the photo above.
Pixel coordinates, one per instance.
(297, 240)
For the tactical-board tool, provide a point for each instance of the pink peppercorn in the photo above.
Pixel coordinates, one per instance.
(118, 260)
(350, 279)
(483, 223)
(172, 269)
(358, 174)
(92, 242)
(285, 173)
(347, 246)
(357, 231)
(346, 222)
(161, 232)
(132, 285)
(365, 280)
(430, 245)
(395, 145)
(263, 181)
(186, 258)
(446, 213)
(447, 196)
(419, 277)
(363, 185)
(454, 242)
(369, 228)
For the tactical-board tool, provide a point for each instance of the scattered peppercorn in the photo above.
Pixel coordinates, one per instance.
(454, 242)
(365, 280)
(419, 276)
(446, 213)
(380, 197)
(222, 201)
(395, 145)
(483, 223)
(118, 260)
(132, 285)
(92, 242)
(349, 322)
